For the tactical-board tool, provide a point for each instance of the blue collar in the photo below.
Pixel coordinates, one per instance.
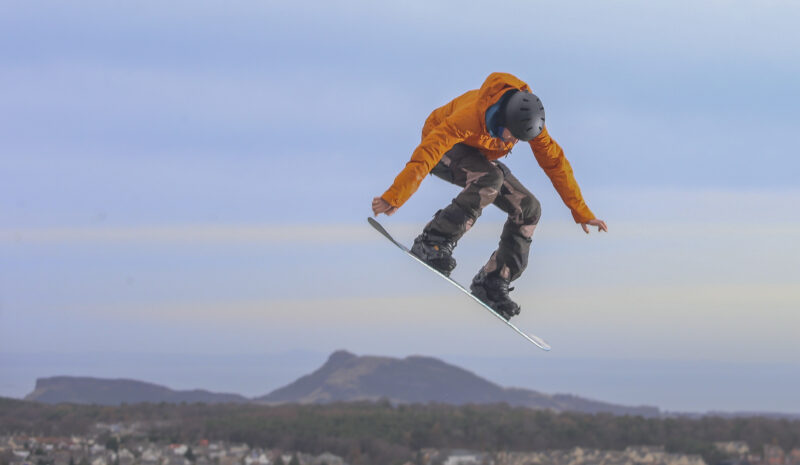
(494, 129)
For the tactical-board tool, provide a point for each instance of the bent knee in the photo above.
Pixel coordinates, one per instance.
(531, 210)
(495, 177)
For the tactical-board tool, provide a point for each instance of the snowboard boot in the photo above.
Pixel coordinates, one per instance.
(494, 290)
(436, 251)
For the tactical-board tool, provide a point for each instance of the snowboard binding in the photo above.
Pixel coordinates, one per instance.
(436, 251)
(494, 291)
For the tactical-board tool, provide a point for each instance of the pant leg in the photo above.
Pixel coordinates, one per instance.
(481, 180)
(524, 210)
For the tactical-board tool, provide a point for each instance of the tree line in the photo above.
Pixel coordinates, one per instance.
(385, 433)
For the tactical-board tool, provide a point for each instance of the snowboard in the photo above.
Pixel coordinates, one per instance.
(537, 341)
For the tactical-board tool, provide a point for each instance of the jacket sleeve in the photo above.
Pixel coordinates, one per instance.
(551, 158)
(425, 157)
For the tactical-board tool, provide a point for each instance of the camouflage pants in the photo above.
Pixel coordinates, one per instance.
(487, 182)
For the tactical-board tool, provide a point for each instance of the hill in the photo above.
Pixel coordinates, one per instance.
(346, 377)
(83, 390)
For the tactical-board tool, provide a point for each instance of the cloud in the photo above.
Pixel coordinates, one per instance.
(725, 322)
(644, 214)
(332, 234)
(202, 234)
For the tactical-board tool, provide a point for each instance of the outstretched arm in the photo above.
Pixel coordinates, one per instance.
(550, 157)
(424, 158)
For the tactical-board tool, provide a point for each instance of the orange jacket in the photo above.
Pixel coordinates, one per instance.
(463, 120)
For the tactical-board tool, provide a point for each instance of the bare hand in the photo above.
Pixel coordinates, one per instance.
(381, 206)
(601, 225)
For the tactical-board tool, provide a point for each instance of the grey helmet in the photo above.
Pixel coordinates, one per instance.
(524, 115)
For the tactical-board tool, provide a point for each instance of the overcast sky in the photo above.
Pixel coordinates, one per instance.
(192, 178)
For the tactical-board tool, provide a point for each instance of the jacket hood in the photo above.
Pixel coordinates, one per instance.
(494, 87)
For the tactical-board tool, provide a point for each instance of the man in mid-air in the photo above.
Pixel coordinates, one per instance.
(462, 143)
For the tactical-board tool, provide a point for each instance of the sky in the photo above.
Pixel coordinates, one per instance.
(184, 187)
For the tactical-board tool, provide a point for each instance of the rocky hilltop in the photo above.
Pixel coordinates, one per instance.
(346, 377)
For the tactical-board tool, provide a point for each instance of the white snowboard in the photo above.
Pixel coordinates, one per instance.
(539, 342)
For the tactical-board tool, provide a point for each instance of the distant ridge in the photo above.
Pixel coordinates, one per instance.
(84, 390)
(346, 377)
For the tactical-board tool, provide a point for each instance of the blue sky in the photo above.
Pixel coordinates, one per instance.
(192, 178)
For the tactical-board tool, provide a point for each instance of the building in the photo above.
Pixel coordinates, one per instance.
(774, 455)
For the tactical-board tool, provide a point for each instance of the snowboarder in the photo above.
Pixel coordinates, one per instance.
(462, 143)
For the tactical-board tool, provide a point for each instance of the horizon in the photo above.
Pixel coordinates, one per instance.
(304, 363)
